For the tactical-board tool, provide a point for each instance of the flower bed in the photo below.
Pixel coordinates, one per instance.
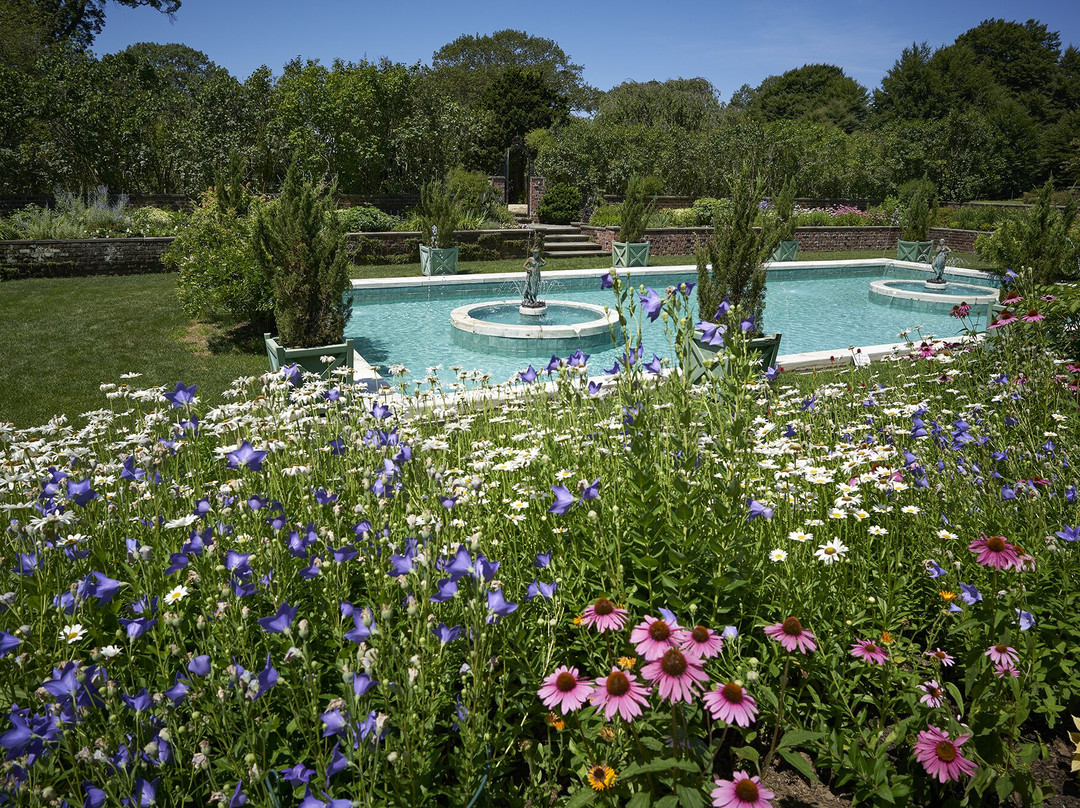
(630, 593)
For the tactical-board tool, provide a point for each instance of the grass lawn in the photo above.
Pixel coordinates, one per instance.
(960, 259)
(60, 338)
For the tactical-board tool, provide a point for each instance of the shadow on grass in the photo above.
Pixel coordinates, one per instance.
(244, 338)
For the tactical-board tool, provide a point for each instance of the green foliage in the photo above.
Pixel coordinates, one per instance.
(218, 275)
(518, 101)
(674, 217)
(561, 204)
(731, 264)
(819, 93)
(636, 208)
(298, 243)
(916, 200)
(473, 192)
(688, 104)
(366, 218)
(438, 210)
(784, 209)
(1041, 238)
(707, 210)
(605, 215)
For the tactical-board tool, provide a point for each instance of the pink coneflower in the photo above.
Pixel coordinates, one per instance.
(741, 791)
(869, 651)
(619, 692)
(941, 756)
(1005, 318)
(791, 635)
(1002, 654)
(653, 637)
(676, 675)
(1006, 670)
(933, 695)
(731, 703)
(700, 642)
(565, 688)
(994, 551)
(604, 616)
(1048, 298)
(963, 310)
(940, 656)
(1032, 317)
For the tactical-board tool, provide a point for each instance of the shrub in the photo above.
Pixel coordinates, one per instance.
(784, 204)
(438, 210)
(731, 264)
(366, 219)
(917, 197)
(151, 221)
(218, 276)
(606, 215)
(299, 244)
(1038, 238)
(679, 217)
(561, 204)
(707, 209)
(637, 207)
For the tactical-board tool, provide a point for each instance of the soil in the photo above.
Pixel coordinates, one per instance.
(1055, 773)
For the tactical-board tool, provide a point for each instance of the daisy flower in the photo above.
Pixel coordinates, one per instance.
(838, 513)
(566, 689)
(791, 635)
(741, 791)
(778, 555)
(914, 510)
(73, 633)
(832, 551)
(676, 675)
(945, 534)
(176, 594)
(619, 692)
(869, 651)
(798, 535)
(940, 656)
(940, 755)
(933, 695)
(652, 637)
(604, 616)
(700, 642)
(732, 704)
(1002, 655)
(876, 530)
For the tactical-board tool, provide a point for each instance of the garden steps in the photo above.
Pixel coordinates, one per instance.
(567, 241)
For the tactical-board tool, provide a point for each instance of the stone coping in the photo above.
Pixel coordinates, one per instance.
(600, 323)
(975, 295)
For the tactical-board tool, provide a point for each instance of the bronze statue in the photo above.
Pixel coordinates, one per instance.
(530, 298)
(939, 262)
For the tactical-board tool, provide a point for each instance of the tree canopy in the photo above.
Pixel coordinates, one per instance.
(819, 93)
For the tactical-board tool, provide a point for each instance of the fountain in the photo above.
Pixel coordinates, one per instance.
(934, 294)
(531, 325)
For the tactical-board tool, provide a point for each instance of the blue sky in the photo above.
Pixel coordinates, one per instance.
(728, 43)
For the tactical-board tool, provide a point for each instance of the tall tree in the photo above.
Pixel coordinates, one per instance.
(78, 22)
(466, 67)
(689, 104)
(820, 93)
(518, 101)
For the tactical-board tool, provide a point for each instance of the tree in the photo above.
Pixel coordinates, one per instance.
(518, 101)
(689, 104)
(819, 93)
(466, 67)
(78, 22)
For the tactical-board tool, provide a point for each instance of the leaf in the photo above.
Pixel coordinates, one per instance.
(583, 796)
(798, 762)
(885, 793)
(690, 797)
(665, 764)
(795, 737)
(670, 801)
(748, 753)
(640, 800)
(1004, 787)
(954, 691)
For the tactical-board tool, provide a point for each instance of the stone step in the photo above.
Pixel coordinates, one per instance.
(562, 246)
(555, 238)
(578, 254)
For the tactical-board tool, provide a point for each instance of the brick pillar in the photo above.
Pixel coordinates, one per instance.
(537, 187)
(498, 182)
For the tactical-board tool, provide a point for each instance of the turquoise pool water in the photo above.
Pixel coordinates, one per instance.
(817, 309)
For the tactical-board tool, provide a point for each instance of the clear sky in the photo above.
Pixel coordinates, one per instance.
(728, 43)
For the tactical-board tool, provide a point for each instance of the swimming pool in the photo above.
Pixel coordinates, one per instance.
(815, 306)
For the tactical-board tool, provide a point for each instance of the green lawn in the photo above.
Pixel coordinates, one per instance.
(60, 338)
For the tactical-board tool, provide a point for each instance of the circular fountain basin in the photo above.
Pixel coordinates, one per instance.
(919, 296)
(500, 326)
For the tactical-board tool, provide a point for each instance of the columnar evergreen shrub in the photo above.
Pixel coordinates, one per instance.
(440, 210)
(635, 210)
(917, 197)
(1041, 237)
(298, 243)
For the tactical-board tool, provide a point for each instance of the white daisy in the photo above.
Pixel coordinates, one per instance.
(110, 651)
(73, 633)
(798, 535)
(182, 521)
(914, 510)
(838, 513)
(177, 594)
(814, 523)
(778, 555)
(876, 530)
(944, 534)
(831, 551)
(516, 518)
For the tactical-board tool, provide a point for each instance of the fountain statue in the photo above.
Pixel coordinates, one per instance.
(530, 301)
(938, 265)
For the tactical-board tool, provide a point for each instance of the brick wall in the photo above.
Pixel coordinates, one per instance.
(399, 247)
(537, 187)
(50, 259)
(684, 240)
(498, 182)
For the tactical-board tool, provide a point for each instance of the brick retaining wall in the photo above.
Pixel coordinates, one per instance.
(685, 240)
(88, 256)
